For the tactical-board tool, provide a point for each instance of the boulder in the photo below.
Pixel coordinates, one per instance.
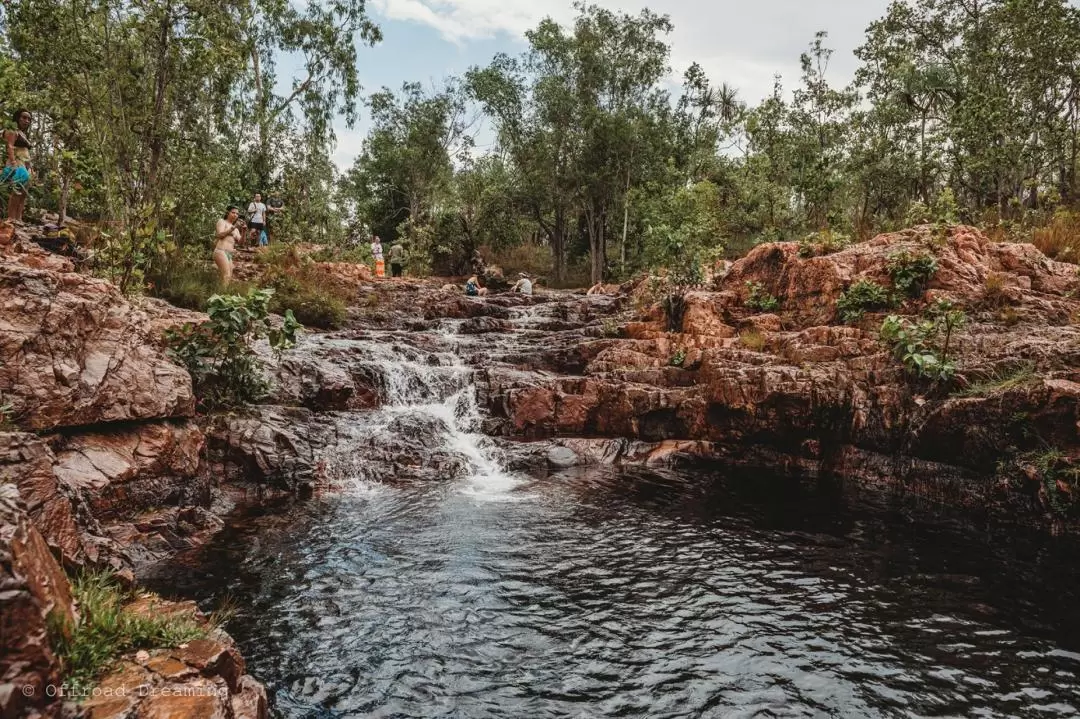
(77, 352)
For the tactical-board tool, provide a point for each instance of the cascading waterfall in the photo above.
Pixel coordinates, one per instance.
(428, 400)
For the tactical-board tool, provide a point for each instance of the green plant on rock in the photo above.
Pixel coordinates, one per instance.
(107, 628)
(224, 368)
(610, 328)
(678, 358)
(824, 242)
(1057, 475)
(758, 298)
(863, 296)
(911, 271)
(923, 346)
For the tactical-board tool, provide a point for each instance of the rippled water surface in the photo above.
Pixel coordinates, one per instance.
(599, 594)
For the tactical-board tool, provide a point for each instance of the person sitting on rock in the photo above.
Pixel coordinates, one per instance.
(473, 288)
(523, 285)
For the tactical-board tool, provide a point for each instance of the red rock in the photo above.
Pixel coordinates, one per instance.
(77, 352)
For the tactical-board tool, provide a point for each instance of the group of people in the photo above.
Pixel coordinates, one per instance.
(523, 286)
(397, 258)
(231, 228)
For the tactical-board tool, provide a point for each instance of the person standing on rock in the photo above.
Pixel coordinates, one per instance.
(226, 235)
(257, 220)
(377, 254)
(17, 169)
(397, 259)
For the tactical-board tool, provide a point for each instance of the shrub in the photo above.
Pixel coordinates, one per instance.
(824, 242)
(305, 289)
(863, 296)
(923, 347)
(610, 328)
(994, 290)
(106, 629)
(752, 339)
(1060, 238)
(218, 354)
(758, 298)
(312, 306)
(678, 358)
(910, 272)
(185, 281)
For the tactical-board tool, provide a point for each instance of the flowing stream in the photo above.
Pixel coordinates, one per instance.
(624, 593)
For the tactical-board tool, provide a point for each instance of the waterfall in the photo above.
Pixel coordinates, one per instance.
(429, 412)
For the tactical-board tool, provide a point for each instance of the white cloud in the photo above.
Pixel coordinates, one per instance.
(742, 43)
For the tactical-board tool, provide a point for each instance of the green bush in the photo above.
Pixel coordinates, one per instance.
(678, 358)
(106, 629)
(824, 242)
(218, 354)
(911, 272)
(185, 282)
(923, 346)
(863, 296)
(311, 306)
(758, 299)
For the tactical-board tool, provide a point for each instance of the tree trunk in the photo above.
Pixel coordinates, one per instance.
(157, 129)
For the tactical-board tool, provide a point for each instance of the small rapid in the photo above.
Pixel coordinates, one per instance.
(427, 398)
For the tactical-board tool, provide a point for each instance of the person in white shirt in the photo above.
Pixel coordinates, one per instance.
(523, 285)
(256, 217)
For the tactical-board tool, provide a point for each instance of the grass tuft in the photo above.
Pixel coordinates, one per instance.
(1000, 380)
(107, 629)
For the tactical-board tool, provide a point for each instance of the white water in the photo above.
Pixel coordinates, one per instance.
(434, 390)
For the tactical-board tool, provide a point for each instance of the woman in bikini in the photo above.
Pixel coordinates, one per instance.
(17, 167)
(226, 235)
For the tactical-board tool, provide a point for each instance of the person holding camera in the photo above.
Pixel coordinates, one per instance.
(227, 233)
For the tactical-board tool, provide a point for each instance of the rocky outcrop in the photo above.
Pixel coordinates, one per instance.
(34, 598)
(74, 351)
(796, 390)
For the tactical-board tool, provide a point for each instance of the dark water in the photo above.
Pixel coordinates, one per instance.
(643, 595)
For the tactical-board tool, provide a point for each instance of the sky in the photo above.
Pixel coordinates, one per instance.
(741, 42)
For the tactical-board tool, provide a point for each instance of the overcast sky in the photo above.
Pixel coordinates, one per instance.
(742, 42)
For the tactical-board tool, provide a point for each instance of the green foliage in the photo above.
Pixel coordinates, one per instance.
(224, 368)
(863, 296)
(1000, 380)
(758, 298)
(311, 305)
(610, 328)
(911, 272)
(923, 346)
(1056, 473)
(677, 359)
(824, 242)
(107, 629)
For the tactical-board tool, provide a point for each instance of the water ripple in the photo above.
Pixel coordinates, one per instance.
(415, 601)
